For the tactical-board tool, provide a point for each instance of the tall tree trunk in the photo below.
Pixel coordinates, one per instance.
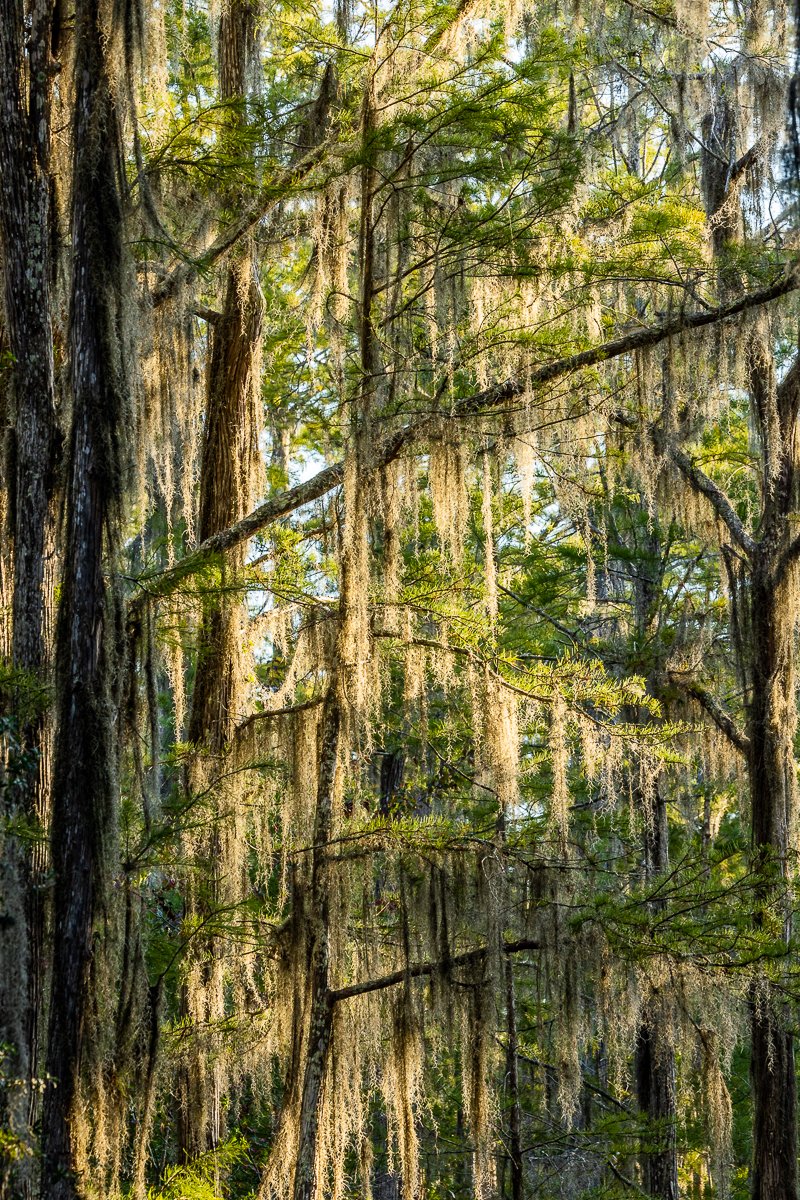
(25, 237)
(655, 1053)
(320, 1027)
(764, 635)
(84, 791)
(512, 1082)
(216, 700)
(230, 451)
(772, 773)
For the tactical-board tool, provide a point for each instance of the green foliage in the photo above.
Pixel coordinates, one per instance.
(205, 1177)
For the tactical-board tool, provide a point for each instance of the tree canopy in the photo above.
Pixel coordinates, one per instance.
(398, 599)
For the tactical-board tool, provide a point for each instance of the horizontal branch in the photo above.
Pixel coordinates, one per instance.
(282, 505)
(268, 713)
(420, 970)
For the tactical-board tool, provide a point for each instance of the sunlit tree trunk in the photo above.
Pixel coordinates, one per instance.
(320, 1027)
(764, 634)
(229, 456)
(84, 789)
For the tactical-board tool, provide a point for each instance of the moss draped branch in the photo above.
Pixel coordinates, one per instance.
(278, 507)
(705, 486)
(719, 715)
(423, 969)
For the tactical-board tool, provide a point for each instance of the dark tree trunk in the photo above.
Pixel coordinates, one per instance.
(774, 1100)
(655, 1095)
(764, 632)
(512, 1083)
(86, 650)
(25, 238)
(654, 1051)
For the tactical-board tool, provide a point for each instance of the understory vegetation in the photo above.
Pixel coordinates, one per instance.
(399, 589)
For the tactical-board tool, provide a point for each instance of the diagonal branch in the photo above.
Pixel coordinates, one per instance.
(164, 583)
(719, 715)
(420, 970)
(701, 483)
(273, 195)
(282, 505)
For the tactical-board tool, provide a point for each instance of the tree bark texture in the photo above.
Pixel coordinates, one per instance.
(321, 995)
(25, 239)
(655, 1095)
(229, 454)
(766, 626)
(771, 773)
(83, 823)
(227, 451)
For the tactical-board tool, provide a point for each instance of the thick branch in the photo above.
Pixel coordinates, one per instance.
(419, 970)
(720, 716)
(700, 482)
(286, 502)
(269, 714)
(166, 582)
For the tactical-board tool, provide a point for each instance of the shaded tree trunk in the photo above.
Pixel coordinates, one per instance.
(771, 770)
(25, 238)
(655, 1053)
(512, 1082)
(655, 1095)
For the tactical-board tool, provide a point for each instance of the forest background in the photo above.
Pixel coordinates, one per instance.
(398, 599)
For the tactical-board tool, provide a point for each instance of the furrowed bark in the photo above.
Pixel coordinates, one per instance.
(230, 450)
(768, 659)
(764, 629)
(764, 648)
(322, 997)
(772, 776)
(84, 793)
(25, 235)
